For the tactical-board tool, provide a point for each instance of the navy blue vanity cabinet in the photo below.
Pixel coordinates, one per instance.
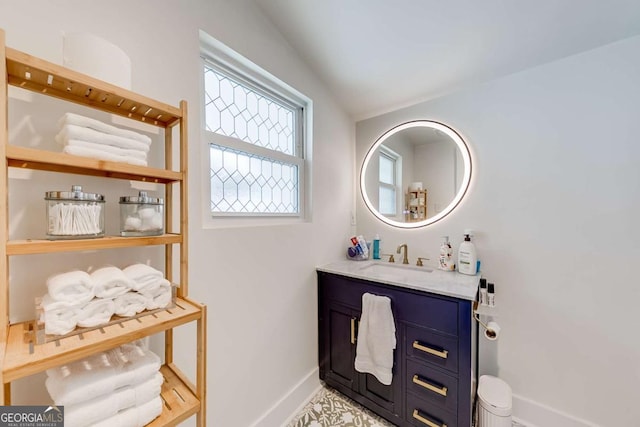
(339, 309)
(433, 360)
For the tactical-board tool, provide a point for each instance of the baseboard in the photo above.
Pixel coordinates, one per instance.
(533, 414)
(286, 408)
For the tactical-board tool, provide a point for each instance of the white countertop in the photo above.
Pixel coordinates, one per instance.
(449, 283)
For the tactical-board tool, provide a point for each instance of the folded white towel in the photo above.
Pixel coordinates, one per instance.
(82, 121)
(159, 297)
(138, 154)
(110, 282)
(376, 338)
(96, 312)
(130, 304)
(74, 150)
(72, 286)
(137, 416)
(142, 273)
(59, 317)
(114, 359)
(74, 383)
(144, 276)
(72, 132)
(102, 407)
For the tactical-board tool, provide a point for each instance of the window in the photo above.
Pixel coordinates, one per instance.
(387, 183)
(255, 129)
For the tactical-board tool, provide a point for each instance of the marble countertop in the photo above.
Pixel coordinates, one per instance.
(449, 283)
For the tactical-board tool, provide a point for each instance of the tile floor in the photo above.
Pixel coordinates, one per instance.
(329, 408)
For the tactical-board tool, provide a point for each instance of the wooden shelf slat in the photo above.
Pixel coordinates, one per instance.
(23, 358)
(179, 402)
(41, 76)
(31, 247)
(30, 158)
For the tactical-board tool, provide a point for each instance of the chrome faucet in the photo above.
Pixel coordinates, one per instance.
(405, 258)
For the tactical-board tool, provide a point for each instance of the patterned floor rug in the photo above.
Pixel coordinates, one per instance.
(328, 408)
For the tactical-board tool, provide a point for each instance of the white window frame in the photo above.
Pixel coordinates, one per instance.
(222, 58)
(397, 177)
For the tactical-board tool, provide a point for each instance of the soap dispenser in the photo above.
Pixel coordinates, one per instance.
(445, 260)
(467, 257)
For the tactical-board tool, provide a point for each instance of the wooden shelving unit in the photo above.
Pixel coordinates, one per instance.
(416, 205)
(20, 356)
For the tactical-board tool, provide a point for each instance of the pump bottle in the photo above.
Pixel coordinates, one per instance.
(445, 261)
(467, 257)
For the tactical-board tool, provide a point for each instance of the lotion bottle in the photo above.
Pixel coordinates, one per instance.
(445, 261)
(467, 257)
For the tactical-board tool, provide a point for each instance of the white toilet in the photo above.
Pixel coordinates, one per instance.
(494, 402)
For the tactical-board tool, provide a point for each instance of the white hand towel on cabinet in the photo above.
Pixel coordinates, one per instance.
(59, 317)
(110, 282)
(96, 312)
(376, 338)
(102, 407)
(72, 286)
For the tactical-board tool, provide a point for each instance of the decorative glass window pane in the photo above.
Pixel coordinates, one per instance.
(254, 127)
(247, 183)
(235, 109)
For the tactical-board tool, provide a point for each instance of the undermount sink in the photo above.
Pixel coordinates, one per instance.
(395, 269)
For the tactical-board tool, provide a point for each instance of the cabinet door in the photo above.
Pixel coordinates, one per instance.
(386, 396)
(338, 344)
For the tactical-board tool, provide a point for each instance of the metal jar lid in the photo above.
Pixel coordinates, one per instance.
(76, 194)
(141, 198)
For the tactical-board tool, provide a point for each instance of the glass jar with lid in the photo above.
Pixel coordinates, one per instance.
(74, 214)
(141, 215)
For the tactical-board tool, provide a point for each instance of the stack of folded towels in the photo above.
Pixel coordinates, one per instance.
(120, 387)
(87, 137)
(77, 298)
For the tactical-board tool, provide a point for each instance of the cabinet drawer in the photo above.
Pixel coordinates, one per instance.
(431, 347)
(431, 312)
(432, 385)
(422, 413)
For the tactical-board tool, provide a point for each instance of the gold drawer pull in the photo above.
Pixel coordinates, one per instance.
(439, 353)
(353, 330)
(440, 390)
(422, 419)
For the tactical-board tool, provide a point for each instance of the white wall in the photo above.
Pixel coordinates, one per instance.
(554, 200)
(435, 165)
(258, 282)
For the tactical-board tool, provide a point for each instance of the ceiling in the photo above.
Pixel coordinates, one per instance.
(379, 55)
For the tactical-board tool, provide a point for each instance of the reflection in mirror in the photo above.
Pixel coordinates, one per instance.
(415, 174)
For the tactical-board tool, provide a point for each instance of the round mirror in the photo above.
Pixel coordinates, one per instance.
(415, 174)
